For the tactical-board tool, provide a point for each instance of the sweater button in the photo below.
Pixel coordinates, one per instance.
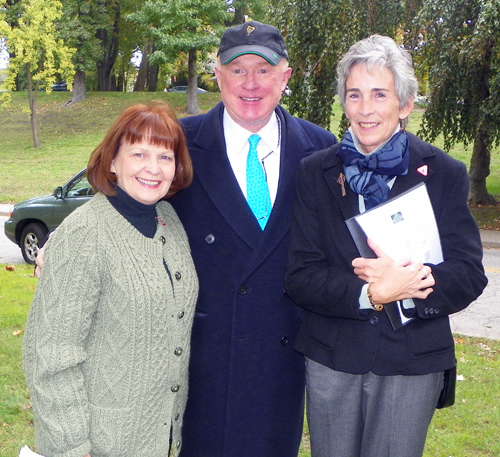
(178, 444)
(178, 275)
(180, 315)
(175, 388)
(178, 351)
(162, 239)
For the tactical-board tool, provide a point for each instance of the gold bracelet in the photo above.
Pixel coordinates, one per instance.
(375, 306)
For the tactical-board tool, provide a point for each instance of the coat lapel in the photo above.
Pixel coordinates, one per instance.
(213, 169)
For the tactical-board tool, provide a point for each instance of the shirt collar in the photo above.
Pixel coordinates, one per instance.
(238, 136)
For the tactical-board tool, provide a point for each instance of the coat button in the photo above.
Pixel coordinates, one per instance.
(175, 388)
(162, 239)
(284, 340)
(285, 293)
(210, 239)
(242, 290)
(180, 315)
(178, 275)
(374, 320)
(178, 351)
(178, 444)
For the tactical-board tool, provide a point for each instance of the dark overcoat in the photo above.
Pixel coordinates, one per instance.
(246, 380)
(321, 279)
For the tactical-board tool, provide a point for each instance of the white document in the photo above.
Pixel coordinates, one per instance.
(405, 227)
(27, 452)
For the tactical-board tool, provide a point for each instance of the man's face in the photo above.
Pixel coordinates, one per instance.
(251, 89)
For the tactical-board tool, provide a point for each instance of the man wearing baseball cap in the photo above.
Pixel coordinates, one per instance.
(246, 381)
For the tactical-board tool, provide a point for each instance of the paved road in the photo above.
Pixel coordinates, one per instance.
(9, 252)
(481, 319)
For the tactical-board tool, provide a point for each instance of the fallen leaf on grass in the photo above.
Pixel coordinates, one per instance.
(10, 268)
(17, 332)
(460, 377)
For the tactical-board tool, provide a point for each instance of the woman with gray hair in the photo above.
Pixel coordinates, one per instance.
(373, 386)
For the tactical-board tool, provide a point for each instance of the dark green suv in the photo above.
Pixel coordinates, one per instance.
(31, 220)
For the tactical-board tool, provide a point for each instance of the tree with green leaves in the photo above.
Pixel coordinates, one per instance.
(461, 49)
(78, 29)
(35, 47)
(318, 33)
(184, 26)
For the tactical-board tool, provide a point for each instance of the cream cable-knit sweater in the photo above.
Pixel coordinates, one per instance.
(106, 344)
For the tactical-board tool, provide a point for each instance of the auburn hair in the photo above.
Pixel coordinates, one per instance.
(155, 123)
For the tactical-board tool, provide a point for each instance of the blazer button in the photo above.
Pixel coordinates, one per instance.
(374, 320)
(210, 239)
(178, 351)
(178, 275)
(162, 239)
(285, 293)
(284, 340)
(175, 388)
(242, 290)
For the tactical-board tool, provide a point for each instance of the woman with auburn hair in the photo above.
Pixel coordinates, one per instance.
(107, 340)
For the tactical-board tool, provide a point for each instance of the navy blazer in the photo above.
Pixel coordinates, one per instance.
(321, 279)
(246, 380)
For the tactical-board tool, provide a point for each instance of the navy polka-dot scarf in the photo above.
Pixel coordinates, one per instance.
(368, 175)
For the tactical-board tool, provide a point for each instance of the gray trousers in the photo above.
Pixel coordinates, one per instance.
(352, 415)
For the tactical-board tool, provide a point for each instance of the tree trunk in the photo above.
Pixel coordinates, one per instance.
(152, 78)
(481, 155)
(109, 45)
(79, 93)
(192, 91)
(142, 74)
(479, 171)
(239, 14)
(32, 95)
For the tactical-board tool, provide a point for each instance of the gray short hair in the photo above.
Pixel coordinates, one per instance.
(380, 51)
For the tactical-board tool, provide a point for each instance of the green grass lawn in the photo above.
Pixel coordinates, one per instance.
(468, 429)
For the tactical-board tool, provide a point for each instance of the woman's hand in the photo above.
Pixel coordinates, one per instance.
(393, 280)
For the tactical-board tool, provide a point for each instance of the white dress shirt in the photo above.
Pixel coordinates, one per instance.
(268, 151)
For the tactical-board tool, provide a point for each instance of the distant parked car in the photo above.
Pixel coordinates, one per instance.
(183, 89)
(60, 87)
(287, 91)
(31, 220)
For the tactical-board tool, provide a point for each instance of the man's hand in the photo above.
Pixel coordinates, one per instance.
(39, 259)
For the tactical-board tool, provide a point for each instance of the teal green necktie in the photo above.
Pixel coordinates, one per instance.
(258, 196)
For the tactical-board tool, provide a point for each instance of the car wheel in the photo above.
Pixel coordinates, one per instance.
(31, 238)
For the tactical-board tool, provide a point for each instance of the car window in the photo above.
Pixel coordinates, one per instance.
(79, 187)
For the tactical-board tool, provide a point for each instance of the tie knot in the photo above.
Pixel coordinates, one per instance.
(254, 141)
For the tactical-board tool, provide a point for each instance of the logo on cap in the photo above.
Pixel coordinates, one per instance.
(250, 29)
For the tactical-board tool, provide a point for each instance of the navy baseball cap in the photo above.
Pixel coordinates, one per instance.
(252, 38)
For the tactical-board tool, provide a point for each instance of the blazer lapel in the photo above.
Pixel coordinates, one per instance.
(333, 170)
(418, 170)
